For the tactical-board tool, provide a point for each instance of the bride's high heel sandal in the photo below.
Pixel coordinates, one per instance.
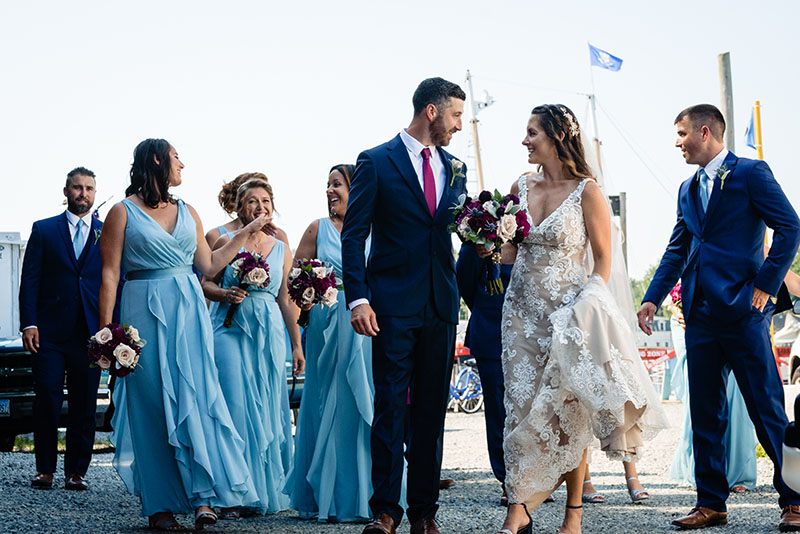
(527, 529)
(560, 531)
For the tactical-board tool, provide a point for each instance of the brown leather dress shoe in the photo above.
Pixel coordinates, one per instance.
(425, 526)
(790, 518)
(383, 524)
(701, 517)
(42, 481)
(75, 482)
(446, 483)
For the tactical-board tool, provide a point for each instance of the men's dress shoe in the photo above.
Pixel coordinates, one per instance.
(425, 526)
(42, 481)
(383, 524)
(701, 517)
(790, 518)
(75, 482)
(446, 483)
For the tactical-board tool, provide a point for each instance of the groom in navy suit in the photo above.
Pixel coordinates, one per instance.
(717, 249)
(58, 301)
(404, 296)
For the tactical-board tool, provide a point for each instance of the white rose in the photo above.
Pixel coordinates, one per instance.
(489, 206)
(134, 334)
(507, 227)
(463, 228)
(294, 273)
(237, 265)
(103, 336)
(126, 356)
(257, 277)
(308, 296)
(329, 298)
(320, 272)
(103, 363)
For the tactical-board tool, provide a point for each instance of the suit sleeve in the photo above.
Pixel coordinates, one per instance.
(356, 228)
(468, 273)
(771, 203)
(672, 263)
(31, 276)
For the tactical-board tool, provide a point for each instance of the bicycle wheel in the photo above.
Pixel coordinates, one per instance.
(472, 400)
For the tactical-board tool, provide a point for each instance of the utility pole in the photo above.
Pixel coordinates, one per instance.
(726, 99)
(475, 107)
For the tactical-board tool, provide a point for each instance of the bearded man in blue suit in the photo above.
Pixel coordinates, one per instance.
(58, 312)
(405, 297)
(717, 249)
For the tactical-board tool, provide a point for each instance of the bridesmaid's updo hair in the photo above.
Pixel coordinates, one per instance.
(345, 170)
(227, 195)
(149, 178)
(561, 126)
(253, 183)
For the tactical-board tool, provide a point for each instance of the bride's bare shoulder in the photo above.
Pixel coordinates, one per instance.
(515, 184)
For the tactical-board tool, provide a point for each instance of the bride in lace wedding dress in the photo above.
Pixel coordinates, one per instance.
(571, 367)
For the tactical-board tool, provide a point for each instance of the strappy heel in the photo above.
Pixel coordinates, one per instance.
(527, 529)
(638, 495)
(559, 531)
(592, 498)
(204, 517)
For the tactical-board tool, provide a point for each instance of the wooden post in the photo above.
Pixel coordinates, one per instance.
(726, 99)
(757, 128)
(623, 223)
(474, 122)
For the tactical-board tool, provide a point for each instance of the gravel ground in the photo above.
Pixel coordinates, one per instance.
(469, 506)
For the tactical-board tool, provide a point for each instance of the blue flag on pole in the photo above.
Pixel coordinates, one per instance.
(604, 60)
(750, 133)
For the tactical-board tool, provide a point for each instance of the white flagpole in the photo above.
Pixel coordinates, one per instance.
(592, 97)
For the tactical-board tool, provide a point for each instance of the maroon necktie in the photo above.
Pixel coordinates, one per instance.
(427, 180)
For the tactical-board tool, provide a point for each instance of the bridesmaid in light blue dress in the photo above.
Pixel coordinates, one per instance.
(176, 446)
(740, 436)
(331, 475)
(252, 353)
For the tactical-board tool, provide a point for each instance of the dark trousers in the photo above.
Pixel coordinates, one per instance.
(491, 373)
(714, 348)
(416, 353)
(49, 366)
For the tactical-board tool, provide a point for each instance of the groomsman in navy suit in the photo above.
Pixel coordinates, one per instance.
(405, 297)
(58, 312)
(717, 249)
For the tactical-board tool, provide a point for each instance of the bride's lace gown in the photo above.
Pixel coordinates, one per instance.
(572, 371)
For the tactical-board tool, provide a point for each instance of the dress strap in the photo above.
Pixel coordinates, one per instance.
(222, 231)
(522, 185)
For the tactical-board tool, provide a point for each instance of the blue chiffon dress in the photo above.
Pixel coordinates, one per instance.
(331, 478)
(740, 436)
(251, 358)
(176, 445)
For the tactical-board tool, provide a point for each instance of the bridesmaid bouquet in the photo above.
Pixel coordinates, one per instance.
(490, 220)
(312, 282)
(116, 348)
(675, 295)
(251, 270)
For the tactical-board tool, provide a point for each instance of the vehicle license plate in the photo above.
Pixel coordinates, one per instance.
(5, 407)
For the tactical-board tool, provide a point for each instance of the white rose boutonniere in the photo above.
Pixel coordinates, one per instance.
(722, 174)
(457, 170)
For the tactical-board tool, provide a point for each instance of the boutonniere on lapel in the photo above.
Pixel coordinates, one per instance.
(97, 232)
(456, 170)
(722, 174)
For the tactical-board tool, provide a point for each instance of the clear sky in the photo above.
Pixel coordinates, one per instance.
(291, 88)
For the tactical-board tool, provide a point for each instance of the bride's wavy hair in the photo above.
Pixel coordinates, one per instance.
(150, 172)
(561, 126)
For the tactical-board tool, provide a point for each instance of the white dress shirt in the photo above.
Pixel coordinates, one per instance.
(414, 149)
(712, 167)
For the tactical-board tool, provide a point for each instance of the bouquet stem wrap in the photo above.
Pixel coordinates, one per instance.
(303, 319)
(232, 309)
(494, 285)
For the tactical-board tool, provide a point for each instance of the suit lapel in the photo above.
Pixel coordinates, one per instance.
(398, 154)
(63, 229)
(718, 191)
(445, 201)
(90, 245)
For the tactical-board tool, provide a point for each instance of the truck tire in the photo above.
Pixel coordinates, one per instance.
(796, 376)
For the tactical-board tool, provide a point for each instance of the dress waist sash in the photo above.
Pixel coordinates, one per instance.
(154, 274)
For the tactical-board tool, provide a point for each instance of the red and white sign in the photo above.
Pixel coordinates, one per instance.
(652, 357)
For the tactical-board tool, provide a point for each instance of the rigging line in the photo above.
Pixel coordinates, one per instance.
(636, 153)
(530, 86)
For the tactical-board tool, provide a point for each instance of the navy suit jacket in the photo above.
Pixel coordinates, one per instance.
(411, 253)
(483, 330)
(56, 286)
(723, 251)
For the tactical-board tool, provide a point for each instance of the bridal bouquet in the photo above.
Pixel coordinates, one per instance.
(251, 270)
(490, 220)
(311, 282)
(116, 348)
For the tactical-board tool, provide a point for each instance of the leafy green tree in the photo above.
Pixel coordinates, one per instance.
(639, 288)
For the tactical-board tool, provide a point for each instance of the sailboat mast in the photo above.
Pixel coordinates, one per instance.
(474, 122)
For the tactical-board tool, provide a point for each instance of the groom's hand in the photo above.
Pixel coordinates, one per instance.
(645, 316)
(364, 321)
(759, 299)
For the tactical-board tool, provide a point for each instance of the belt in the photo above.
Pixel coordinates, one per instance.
(154, 274)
